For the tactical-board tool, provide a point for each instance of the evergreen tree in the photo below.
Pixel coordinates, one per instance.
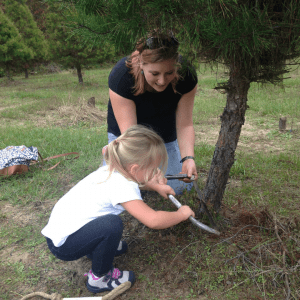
(256, 40)
(20, 15)
(39, 10)
(12, 47)
(68, 50)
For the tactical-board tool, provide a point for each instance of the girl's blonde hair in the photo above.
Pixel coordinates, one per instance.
(158, 47)
(137, 145)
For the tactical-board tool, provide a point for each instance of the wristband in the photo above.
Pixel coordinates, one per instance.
(187, 157)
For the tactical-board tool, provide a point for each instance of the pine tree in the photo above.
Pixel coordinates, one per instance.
(32, 36)
(68, 50)
(39, 11)
(256, 40)
(12, 47)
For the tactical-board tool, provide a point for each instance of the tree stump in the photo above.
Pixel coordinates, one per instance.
(282, 123)
(92, 102)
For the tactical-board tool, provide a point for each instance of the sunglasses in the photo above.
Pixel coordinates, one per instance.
(155, 43)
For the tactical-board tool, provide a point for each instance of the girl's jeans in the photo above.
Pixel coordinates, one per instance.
(100, 238)
(174, 165)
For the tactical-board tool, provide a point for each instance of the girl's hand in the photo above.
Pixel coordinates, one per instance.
(186, 212)
(158, 178)
(189, 168)
(165, 190)
(159, 184)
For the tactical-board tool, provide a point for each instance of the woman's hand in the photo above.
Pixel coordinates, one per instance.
(189, 168)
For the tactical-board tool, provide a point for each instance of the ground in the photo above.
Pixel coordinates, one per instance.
(182, 262)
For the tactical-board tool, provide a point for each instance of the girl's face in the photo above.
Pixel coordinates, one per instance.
(140, 174)
(159, 75)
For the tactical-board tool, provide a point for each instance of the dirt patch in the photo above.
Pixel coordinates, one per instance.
(27, 215)
(241, 216)
(252, 138)
(17, 256)
(19, 216)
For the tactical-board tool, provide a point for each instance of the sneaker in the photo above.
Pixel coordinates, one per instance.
(113, 279)
(122, 248)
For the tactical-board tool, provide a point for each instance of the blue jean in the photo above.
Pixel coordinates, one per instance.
(174, 165)
(100, 238)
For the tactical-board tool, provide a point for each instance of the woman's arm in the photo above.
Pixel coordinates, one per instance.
(157, 219)
(185, 131)
(124, 110)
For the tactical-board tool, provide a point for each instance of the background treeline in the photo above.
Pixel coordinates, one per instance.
(34, 36)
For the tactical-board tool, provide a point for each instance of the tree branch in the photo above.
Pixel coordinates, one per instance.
(89, 29)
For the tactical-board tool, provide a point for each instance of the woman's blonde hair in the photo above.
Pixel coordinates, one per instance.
(157, 47)
(137, 145)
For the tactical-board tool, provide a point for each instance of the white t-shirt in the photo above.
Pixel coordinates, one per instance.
(92, 197)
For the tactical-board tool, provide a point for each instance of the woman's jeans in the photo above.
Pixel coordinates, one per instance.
(99, 238)
(174, 165)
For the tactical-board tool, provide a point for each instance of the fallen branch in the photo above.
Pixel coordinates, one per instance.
(44, 295)
(111, 295)
(282, 244)
(286, 281)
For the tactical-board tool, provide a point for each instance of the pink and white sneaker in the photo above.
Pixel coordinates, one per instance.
(108, 282)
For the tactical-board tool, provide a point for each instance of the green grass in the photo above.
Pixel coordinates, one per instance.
(178, 263)
(268, 100)
(39, 184)
(44, 92)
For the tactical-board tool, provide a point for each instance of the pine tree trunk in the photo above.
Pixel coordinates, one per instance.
(233, 118)
(80, 79)
(7, 72)
(26, 73)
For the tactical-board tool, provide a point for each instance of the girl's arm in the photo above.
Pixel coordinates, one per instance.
(186, 133)
(124, 110)
(157, 219)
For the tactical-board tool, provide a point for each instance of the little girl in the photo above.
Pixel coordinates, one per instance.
(85, 221)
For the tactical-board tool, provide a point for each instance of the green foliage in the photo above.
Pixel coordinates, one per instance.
(67, 49)
(12, 47)
(39, 10)
(256, 37)
(20, 15)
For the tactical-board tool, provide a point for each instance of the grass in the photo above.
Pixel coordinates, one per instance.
(248, 261)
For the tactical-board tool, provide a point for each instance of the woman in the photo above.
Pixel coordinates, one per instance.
(156, 87)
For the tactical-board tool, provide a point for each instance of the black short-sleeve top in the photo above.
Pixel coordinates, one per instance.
(155, 110)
